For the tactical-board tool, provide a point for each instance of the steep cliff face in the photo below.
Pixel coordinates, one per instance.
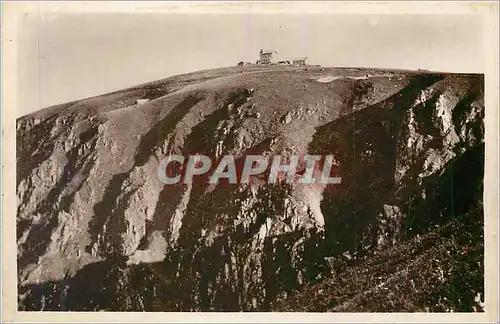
(98, 230)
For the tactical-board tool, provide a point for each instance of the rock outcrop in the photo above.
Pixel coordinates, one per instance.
(97, 230)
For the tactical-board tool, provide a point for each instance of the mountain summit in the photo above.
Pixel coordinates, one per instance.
(403, 231)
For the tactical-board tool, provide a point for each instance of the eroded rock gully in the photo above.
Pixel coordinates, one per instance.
(97, 230)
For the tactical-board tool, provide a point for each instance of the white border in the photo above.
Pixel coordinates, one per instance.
(12, 10)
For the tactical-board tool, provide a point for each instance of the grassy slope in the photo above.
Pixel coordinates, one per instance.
(155, 89)
(438, 271)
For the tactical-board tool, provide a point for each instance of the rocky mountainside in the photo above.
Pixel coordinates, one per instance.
(97, 230)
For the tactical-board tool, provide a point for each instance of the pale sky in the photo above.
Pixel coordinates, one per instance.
(66, 57)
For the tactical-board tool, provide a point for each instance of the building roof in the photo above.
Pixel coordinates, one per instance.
(293, 59)
(268, 51)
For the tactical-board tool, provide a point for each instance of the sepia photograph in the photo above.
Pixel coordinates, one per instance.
(280, 157)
